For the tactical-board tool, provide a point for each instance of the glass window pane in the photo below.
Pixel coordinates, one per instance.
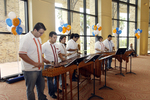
(90, 7)
(148, 45)
(124, 0)
(122, 11)
(60, 15)
(90, 45)
(114, 39)
(90, 20)
(131, 29)
(132, 40)
(61, 3)
(122, 42)
(114, 10)
(18, 9)
(76, 5)
(132, 1)
(131, 13)
(123, 27)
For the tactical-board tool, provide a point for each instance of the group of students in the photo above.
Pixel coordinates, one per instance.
(31, 50)
(32, 61)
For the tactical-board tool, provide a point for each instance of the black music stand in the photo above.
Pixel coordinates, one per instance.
(120, 52)
(93, 58)
(131, 65)
(103, 58)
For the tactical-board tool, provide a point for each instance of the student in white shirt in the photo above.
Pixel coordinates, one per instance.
(51, 53)
(32, 61)
(72, 47)
(110, 45)
(62, 47)
(99, 45)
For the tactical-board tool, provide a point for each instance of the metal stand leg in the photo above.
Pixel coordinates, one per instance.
(130, 67)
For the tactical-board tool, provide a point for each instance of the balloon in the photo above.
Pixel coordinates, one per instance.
(114, 34)
(16, 22)
(64, 30)
(96, 32)
(149, 32)
(12, 15)
(93, 34)
(117, 29)
(68, 27)
(95, 27)
(98, 25)
(135, 31)
(117, 32)
(9, 28)
(65, 25)
(67, 31)
(120, 31)
(60, 29)
(137, 36)
(140, 31)
(61, 22)
(100, 28)
(114, 31)
(19, 30)
(13, 30)
(9, 22)
(19, 21)
(23, 27)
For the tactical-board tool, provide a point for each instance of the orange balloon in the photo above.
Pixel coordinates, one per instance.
(100, 28)
(64, 30)
(114, 31)
(95, 27)
(136, 34)
(68, 27)
(16, 22)
(13, 30)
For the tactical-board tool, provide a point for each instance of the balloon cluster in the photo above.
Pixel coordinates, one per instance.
(64, 28)
(117, 31)
(97, 28)
(14, 24)
(137, 33)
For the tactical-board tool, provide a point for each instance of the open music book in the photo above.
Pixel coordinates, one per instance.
(91, 57)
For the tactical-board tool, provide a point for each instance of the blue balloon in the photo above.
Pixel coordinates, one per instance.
(19, 21)
(65, 25)
(117, 29)
(117, 32)
(9, 22)
(60, 29)
(93, 27)
(120, 31)
(93, 33)
(140, 31)
(136, 31)
(19, 30)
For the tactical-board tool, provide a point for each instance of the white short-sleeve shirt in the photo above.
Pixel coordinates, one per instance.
(62, 49)
(99, 45)
(71, 44)
(51, 51)
(31, 46)
(109, 44)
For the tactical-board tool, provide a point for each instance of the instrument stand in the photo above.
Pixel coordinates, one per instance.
(120, 52)
(130, 66)
(93, 94)
(105, 78)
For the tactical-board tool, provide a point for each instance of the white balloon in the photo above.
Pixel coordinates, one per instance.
(94, 31)
(23, 27)
(97, 31)
(61, 22)
(12, 15)
(98, 25)
(149, 32)
(9, 28)
(67, 31)
(114, 34)
(139, 32)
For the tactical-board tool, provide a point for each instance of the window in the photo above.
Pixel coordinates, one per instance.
(124, 17)
(9, 58)
(81, 15)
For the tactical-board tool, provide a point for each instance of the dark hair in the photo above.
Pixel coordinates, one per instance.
(61, 37)
(52, 33)
(74, 35)
(39, 26)
(109, 36)
(99, 37)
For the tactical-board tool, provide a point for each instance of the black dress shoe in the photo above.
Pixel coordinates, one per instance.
(54, 96)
